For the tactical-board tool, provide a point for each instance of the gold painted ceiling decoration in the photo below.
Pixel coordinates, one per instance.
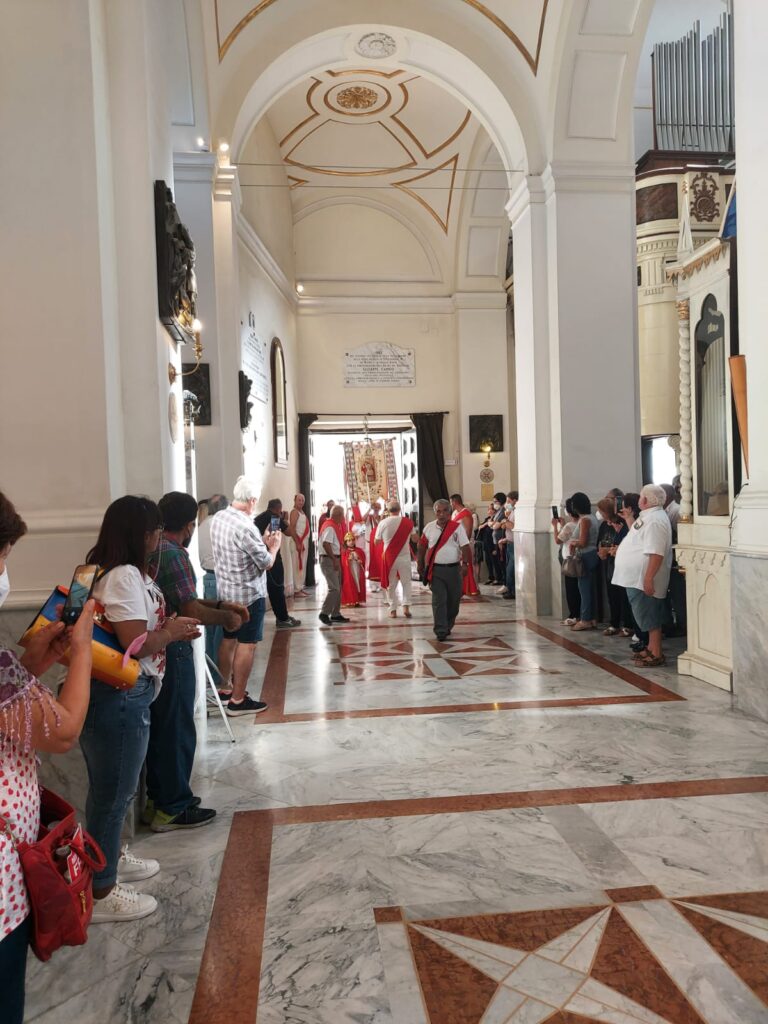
(488, 10)
(374, 130)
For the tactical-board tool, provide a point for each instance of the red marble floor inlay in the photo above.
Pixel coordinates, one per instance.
(634, 894)
(526, 930)
(454, 991)
(754, 903)
(746, 955)
(625, 964)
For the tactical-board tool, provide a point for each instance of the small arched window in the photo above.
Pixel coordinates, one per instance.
(279, 404)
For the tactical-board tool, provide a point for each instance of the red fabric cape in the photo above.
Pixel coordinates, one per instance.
(393, 549)
(374, 557)
(450, 528)
(351, 595)
(469, 587)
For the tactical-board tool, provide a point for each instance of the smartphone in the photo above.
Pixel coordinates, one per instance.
(275, 524)
(619, 504)
(555, 512)
(79, 591)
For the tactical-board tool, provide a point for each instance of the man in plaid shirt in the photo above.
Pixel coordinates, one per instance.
(171, 804)
(241, 557)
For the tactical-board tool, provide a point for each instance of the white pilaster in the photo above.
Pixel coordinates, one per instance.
(750, 526)
(686, 442)
(576, 354)
(481, 327)
(226, 196)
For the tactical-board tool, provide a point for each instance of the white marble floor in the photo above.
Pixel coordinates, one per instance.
(372, 811)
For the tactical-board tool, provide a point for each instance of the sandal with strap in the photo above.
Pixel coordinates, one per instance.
(651, 661)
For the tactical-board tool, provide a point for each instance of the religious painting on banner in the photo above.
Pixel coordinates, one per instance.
(369, 470)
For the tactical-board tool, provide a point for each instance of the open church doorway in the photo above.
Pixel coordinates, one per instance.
(363, 459)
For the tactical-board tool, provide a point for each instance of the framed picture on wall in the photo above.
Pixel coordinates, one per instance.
(484, 431)
(198, 381)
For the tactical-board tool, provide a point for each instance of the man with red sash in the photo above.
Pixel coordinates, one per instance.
(374, 550)
(330, 543)
(462, 515)
(393, 533)
(444, 556)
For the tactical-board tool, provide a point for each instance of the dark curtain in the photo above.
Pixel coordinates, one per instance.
(306, 419)
(430, 458)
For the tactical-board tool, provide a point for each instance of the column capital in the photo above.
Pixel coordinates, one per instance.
(531, 190)
(194, 168)
(565, 176)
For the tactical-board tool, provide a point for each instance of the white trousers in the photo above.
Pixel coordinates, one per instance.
(299, 574)
(401, 568)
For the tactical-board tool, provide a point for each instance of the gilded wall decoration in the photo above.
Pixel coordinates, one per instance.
(376, 45)
(704, 206)
(368, 124)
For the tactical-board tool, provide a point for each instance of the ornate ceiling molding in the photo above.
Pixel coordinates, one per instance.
(531, 59)
(452, 163)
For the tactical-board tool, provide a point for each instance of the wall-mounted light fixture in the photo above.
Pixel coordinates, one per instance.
(197, 348)
(299, 287)
(486, 448)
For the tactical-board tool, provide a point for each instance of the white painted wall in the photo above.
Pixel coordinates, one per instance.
(323, 339)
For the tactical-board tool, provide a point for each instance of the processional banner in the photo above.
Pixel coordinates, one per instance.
(369, 470)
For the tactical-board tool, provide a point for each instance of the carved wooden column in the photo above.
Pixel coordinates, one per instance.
(686, 447)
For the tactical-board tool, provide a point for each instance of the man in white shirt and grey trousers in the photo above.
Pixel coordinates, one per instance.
(443, 559)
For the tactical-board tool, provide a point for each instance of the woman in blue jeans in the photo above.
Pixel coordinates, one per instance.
(116, 732)
(585, 544)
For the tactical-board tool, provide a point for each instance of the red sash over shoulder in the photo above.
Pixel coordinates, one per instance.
(450, 528)
(393, 549)
(302, 538)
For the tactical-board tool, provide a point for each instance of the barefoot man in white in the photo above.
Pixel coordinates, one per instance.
(299, 523)
(395, 532)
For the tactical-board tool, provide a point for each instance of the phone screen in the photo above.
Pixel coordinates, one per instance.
(79, 591)
(555, 512)
(619, 504)
(275, 524)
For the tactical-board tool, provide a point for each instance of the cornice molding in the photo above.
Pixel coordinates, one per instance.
(264, 259)
(480, 300)
(337, 305)
(709, 253)
(66, 521)
(567, 176)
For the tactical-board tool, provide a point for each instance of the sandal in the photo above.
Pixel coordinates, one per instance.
(652, 661)
(625, 632)
(611, 631)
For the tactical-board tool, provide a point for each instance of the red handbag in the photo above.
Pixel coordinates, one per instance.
(58, 873)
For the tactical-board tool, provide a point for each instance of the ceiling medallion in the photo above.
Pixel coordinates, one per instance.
(376, 45)
(357, 97)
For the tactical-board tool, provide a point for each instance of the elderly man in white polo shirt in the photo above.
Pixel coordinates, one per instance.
(394, 532)
(443, 559)
(643, 564)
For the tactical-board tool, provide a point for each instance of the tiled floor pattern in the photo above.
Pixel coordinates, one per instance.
(405, 851)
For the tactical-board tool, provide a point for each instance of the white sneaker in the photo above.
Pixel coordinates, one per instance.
(504, 590)
(123, 904)
(134, 869)
(569, 622)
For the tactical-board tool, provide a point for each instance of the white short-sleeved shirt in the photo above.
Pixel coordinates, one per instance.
(650, 534)
(328, 535)
(127, 595)
(204, 546)
(386, 532)
(450, 552)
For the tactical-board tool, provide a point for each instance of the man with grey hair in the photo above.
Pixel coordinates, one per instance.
(443, 559)
(331, 541)
(643, 564)
(241, 558)
(395, 533)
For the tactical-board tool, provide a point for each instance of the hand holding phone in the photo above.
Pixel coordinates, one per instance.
(276, 524)
(80, 589)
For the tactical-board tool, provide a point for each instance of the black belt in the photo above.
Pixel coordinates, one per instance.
(445, 565)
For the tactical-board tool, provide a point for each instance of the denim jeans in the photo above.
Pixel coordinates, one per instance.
(13, 967)
(114, 744)
(586, 585)
(172, 734)
(510, 548)
(213, 634)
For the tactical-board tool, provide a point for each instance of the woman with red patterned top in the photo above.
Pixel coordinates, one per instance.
(31, 719)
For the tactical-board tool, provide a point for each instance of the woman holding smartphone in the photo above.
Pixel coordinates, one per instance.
(116, 732)
(31, 719)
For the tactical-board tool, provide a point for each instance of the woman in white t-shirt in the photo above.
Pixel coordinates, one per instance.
(565, 531)
(116, 732)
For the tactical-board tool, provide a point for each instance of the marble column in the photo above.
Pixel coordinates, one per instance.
(749, 564)
(576, 354)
